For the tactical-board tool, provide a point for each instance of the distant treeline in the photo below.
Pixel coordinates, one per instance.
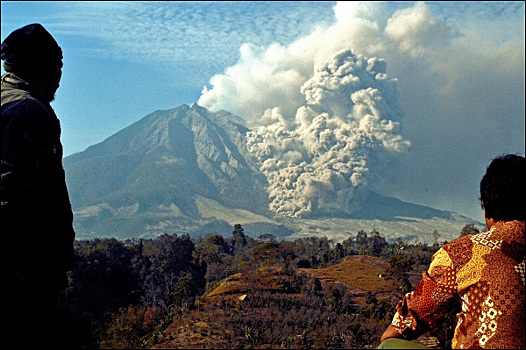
(124, 294)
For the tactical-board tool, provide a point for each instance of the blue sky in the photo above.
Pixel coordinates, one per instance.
(124, 60)
(459, 66)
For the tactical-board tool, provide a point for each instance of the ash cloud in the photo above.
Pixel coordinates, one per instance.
(317, 161)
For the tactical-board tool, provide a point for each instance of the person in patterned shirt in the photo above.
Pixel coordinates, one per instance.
(482, 274)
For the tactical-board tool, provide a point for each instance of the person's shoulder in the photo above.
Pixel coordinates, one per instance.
(459, 248)
(25, 108)
(509, 226)
(462, 241)
(509, 231)
(14, 90)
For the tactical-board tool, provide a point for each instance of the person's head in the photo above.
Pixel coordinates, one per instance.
(502, 189)
(33, 54)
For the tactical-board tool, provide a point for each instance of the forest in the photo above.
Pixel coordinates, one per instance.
(177, 291)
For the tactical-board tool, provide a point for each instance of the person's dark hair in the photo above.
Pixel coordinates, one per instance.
(502, 188)
(31, 50)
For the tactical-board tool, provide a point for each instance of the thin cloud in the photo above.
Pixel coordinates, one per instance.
(203, 37)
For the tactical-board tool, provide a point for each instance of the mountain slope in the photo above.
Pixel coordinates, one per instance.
(160, 163)
(165, 158)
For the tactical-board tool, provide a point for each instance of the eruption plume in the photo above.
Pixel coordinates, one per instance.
(317, 160)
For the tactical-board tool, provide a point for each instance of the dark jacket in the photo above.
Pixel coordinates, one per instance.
(36, 219)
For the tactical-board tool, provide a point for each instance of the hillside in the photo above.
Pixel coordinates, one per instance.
(360, 274)
(236, 292)
(254, 294)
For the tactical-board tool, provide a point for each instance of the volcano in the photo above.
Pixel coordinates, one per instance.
(188, 170)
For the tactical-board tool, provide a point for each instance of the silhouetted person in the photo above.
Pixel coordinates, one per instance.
(481, 273)
(35, 216)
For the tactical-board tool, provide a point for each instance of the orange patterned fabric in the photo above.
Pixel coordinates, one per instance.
(484, 274)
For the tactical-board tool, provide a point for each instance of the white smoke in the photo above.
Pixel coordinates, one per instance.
(272, 77)
(269, 77)
(335, 144)
(324, 119)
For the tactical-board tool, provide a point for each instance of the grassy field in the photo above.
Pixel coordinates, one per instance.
(360, 273)
(265, 279)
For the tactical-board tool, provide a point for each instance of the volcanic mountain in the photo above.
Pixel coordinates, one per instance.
(188, 170)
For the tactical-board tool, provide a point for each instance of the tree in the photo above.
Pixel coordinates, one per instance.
(436, 235)
(348, 246)
(469, 229)
(185, 290)
(126, 330)
(266, 253)
(338, 251)
(375, 243)
(361, 238)
(398, 267)
(361, 242)
(169, 257)
(238, 232)
(239, 238)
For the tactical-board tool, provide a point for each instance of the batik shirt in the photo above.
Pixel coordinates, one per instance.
(484, 273)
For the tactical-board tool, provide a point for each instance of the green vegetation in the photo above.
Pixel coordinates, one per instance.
(237, 292)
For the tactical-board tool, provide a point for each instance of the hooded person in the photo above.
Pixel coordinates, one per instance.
(36, 219)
